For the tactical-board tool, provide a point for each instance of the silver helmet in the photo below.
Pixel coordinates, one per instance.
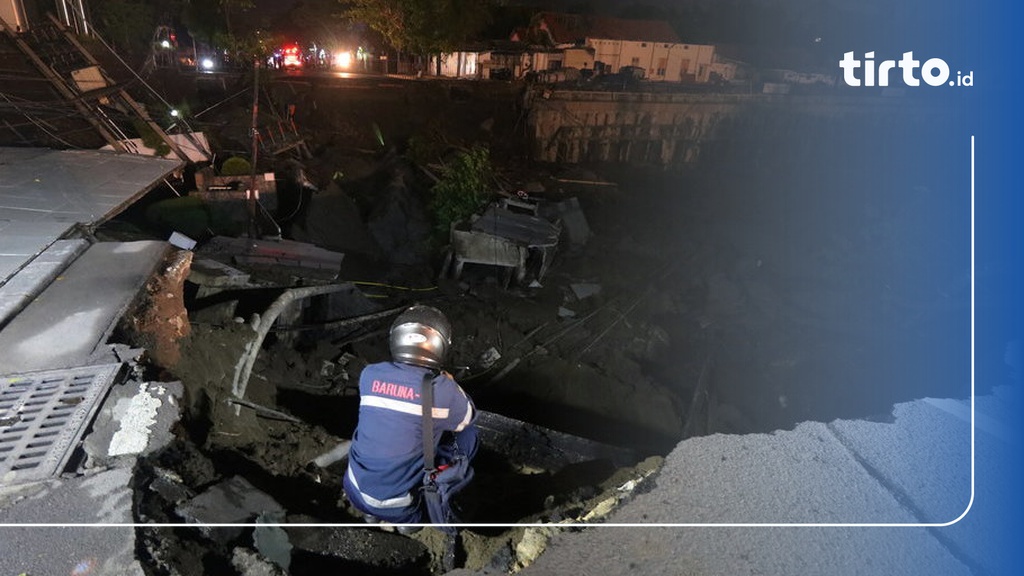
(421, 335)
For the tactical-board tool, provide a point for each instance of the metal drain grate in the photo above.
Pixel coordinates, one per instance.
(43, 415)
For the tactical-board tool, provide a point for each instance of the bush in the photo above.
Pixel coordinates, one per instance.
(462, 188)
(150, 138)
(236, 166)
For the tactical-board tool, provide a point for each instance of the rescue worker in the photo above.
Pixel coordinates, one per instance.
(386, 472)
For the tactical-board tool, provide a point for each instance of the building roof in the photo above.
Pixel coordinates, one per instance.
(576, 28)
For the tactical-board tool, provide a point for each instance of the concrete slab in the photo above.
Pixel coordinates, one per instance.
(350, 544)
(801, 476)
(73, 316)
(35, 275)
(49, 546)
(908, 471)
(135, 420)
(523, 229)
(924, 458)
(210, 273)
(233, 501)
(44, 193)
(612, 551)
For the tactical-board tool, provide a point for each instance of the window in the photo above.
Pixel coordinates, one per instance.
(635, 61)
(662, 65)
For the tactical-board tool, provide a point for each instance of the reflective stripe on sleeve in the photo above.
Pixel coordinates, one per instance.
(465, 421)
(396, 502)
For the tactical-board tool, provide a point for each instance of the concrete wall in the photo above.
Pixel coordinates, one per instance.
(676, 129)
(661, 61)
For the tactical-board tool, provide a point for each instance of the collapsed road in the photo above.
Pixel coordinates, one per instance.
(228, 372)
(668, 310)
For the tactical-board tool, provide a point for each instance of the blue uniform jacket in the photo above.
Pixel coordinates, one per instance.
(386, 457)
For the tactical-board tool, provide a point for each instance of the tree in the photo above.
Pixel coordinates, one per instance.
(229, 7)
(127, 24)
(423, 26)
(209, 20)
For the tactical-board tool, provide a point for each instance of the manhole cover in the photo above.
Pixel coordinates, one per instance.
(43, 415)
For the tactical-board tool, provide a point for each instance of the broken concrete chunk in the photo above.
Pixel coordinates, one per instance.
(249, 563)
(371, 547)
(233, 501)
(574, 222)
(182, 241)
(170, 486)
(211, 273)
(135, 419)
(272, 541)
(584, 290)
(489, 357)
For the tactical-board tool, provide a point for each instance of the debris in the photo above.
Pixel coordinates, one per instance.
(272, 541)
(376, 551)
(574, 222)
(136, 419)
(170, 486)
(589, 182)
(489, 357)
(209, 273)
(262, 327)
(182, 241)
(473, 247)
(138, 416)
(233, 501)
(327, 368)
(531, 546)
(247, 251)
(582, 291)
(504, 371)
(249, 563)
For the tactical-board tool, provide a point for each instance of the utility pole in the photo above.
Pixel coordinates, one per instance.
(253, 193)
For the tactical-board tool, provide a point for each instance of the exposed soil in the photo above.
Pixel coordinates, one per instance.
(741, 295)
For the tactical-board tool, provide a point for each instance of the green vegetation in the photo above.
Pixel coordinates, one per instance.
(423, 26)
(236, 166)
(127, 24)
(423, 149)
(193, 217)
(150, 138)
(462, 188)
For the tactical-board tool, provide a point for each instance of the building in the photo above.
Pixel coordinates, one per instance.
(21, 15)
(500, 60)
(610, 45)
